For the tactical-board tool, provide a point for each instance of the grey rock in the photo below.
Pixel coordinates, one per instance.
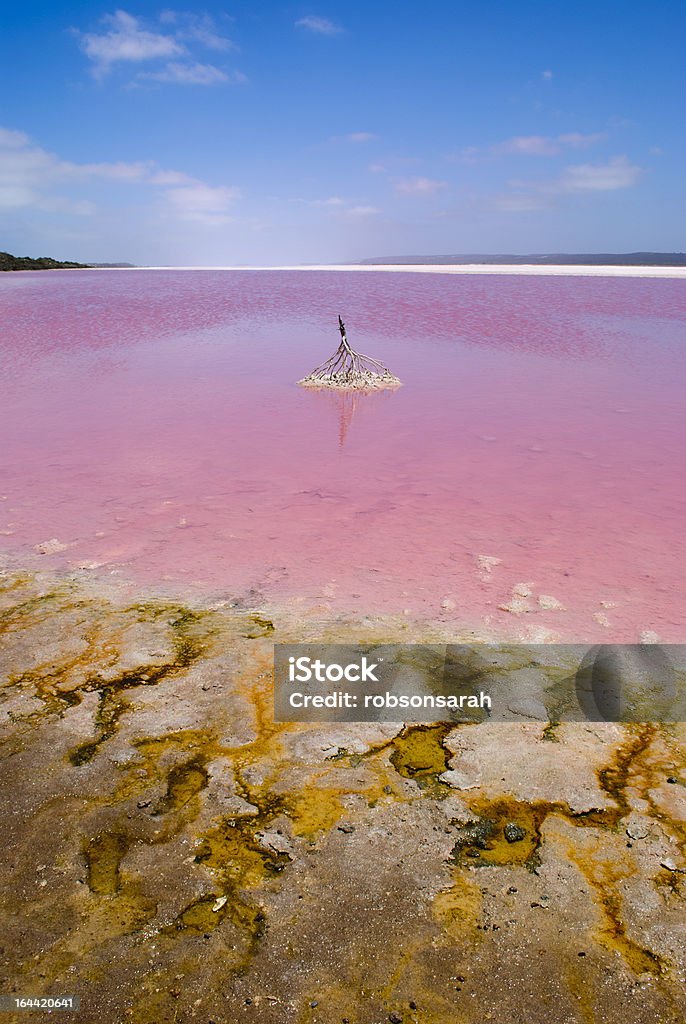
(514, 833)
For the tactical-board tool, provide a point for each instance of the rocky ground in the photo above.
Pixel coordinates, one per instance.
(171, 854)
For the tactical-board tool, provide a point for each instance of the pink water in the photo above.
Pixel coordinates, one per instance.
(150, 423)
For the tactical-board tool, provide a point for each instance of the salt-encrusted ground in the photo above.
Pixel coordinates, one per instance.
(170, 854)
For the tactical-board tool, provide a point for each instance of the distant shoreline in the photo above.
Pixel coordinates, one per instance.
(522, 269)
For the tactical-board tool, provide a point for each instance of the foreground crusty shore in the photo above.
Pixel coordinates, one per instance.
(467, 268)
(171, 854)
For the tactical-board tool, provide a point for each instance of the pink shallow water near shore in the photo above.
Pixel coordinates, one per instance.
(150, 423)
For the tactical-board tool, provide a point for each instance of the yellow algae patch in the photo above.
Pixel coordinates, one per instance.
(419, 754)
(183, 783)
(507, 832)
(458, 909)
(605, 869)
(314, 809)
(103, 857)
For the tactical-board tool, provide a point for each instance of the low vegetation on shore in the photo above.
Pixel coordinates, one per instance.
(10, 262)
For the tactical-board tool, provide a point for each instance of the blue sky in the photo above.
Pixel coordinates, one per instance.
(275, 133)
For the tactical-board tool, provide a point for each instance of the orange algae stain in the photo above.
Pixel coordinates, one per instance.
(630, 766)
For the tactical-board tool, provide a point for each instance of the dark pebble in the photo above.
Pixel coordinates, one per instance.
(514, 833)
(395, 1017)
(314, 1003)
(672, 779)
(412, 1004)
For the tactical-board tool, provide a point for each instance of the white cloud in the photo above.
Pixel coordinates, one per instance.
(320, 26)
(126, 41)
(30, 176)
(546, 75)
(377, 168)
(419, 186)
(331, 201)
(360, 137)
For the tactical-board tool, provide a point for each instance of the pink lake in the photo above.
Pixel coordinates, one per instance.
(151, 424)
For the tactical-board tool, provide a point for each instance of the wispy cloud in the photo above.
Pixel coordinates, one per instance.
(200, 28)
(31, 176)
(127, 40)
(531, 145)
(341, 207)
(331, 201)
(201, 203)
(419, 186)
(192, 74)
(577, 179)
(528, 145)
(362, 211)
(547, 75)
(516, 202)
(356, 138)
(615, 174)
(319, 26)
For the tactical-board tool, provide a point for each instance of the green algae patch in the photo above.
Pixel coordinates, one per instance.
(103, 855)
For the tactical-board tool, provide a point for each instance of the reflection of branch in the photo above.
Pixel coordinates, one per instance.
(348, 370)
(347, 403)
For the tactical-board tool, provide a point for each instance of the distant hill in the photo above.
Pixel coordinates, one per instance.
(622, 259)
(9, 262)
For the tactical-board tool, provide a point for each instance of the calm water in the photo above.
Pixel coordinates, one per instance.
(150, 423)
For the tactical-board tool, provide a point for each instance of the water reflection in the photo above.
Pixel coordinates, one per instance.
(345, 405)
